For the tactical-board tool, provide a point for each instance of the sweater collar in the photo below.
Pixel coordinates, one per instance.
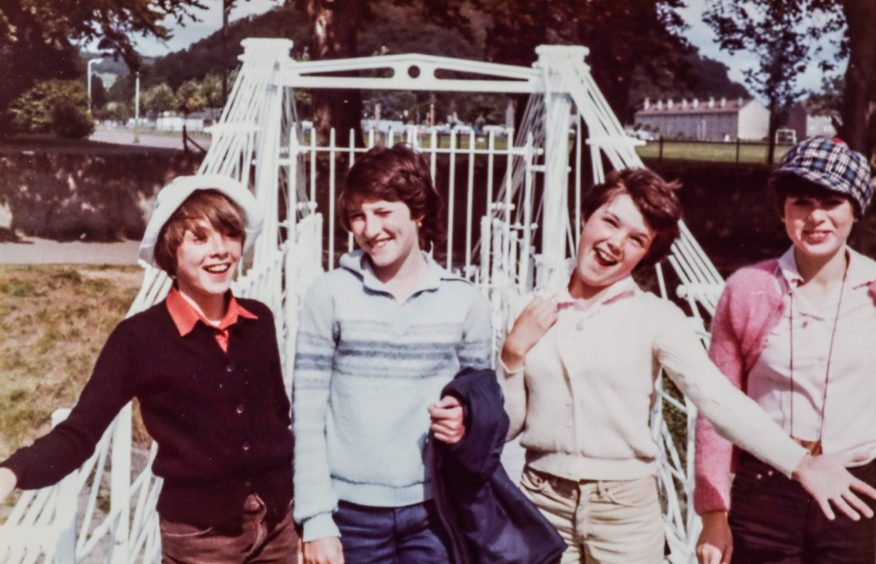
(862, 270)
(622, 289)
(185, 317)
(357, 262)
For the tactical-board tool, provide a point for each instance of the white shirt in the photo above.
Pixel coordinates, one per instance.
(850, 410)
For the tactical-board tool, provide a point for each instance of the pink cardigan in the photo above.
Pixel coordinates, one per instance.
(751, 305)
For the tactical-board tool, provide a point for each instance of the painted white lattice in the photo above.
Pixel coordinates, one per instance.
(516, 236)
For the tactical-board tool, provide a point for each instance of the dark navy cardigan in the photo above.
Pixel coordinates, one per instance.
(490, 520)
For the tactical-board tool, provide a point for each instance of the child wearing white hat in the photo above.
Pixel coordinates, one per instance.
(205, 367)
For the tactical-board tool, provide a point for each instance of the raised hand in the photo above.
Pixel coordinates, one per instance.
(530, 327)
(825, 478)
(715, 545)
(447, 423)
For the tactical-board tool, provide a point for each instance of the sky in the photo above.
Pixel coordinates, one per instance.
(698, 34)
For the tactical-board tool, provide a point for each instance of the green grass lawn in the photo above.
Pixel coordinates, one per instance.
(53, 322)
(720, 152)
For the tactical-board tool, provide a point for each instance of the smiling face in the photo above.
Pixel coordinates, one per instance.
(386, 231)
(818, 225)
(206, 261)
(615, 238)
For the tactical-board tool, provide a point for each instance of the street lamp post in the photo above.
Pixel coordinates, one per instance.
(88, 67)
(137, 107)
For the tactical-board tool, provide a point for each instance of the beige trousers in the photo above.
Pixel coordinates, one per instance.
(601, 521)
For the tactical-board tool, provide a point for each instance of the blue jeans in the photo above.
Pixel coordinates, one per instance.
(412, 534)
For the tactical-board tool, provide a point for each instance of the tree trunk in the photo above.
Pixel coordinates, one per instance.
(333, 30)
(771, 130)
(857, 109)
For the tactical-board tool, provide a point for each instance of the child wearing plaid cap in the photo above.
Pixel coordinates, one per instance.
(798, 334)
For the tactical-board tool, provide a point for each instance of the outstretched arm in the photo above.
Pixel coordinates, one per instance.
(66, 447)
(741, 420)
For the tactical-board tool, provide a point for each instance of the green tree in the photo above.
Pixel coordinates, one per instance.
(625, 38)
(53, 106)
(38, 39)
(99, 96)
(159, 98)
(780, 34)
(190, 97)
(211, 87)
(334, 27)
(859, 97)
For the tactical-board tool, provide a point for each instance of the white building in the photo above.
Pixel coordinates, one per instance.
(808, 122)
(706, 120)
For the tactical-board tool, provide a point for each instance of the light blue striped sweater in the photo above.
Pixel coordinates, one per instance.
(366, 369)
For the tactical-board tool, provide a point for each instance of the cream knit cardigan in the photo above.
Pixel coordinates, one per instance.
(582, 401)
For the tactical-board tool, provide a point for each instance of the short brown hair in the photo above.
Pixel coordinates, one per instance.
(210, 205)
(655, 198)
(784, 186)
(398, 174)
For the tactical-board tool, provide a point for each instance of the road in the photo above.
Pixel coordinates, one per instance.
(44, 251)
(168, 140)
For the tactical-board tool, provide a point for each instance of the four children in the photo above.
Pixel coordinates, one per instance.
(381, 335)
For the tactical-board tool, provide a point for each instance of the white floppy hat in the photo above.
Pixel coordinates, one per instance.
(174, 194)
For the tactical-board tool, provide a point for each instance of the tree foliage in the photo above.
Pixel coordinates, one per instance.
(626, 38)
(780, 34)
(38, 38)
(190, 97)
(160, 98)
(53, 106)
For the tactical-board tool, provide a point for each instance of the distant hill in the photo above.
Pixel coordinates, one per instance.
(391, 31)
(401, 29)
(705, 77)
(109, 65)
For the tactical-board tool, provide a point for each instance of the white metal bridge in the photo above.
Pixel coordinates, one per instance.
(513, 219)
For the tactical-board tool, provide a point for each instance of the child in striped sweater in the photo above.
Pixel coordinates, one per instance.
(378, 339)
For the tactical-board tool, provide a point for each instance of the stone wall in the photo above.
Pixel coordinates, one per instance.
(93, 196)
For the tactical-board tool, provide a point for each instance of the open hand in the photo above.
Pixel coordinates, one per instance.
(535, 320)
(825, 478)
(447, 423)
(324, 551)
(715, 545)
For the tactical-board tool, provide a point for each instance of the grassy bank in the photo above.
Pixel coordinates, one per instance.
(53, 323)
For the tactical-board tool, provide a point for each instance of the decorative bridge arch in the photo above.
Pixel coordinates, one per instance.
(517, 233)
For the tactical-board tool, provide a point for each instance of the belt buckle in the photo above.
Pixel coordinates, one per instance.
(814, 447)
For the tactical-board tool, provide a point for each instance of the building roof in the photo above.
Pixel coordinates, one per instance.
(731, 106)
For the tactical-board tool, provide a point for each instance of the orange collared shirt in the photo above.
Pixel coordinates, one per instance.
(185, 317)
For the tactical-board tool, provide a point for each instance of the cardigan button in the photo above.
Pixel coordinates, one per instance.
(239, 409)
(247, 484)
(245, 446)
(229, 368)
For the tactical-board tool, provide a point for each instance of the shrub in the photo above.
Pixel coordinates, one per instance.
(53, 106)
(70, 121)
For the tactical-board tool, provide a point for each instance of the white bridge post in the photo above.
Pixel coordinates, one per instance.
(554, 62)
(120, 486)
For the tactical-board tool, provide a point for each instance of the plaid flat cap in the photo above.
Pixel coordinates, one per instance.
(831, 164)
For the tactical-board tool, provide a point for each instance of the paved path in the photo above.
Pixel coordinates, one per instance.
(44, 251)
(146, 139)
